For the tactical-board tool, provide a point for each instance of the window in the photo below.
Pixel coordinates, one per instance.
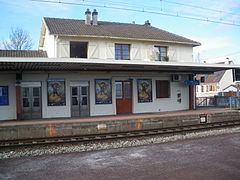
(162, 53)
(213, 88)
(78, 49)
(162, 89)
(122, 51)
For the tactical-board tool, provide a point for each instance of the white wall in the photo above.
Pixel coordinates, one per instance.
(181, 53)
(161, 104)
(226, 80)
(139, 50)
(8, 112)
(65, 111)
(158, 104)
(50, 111)
(49, 45)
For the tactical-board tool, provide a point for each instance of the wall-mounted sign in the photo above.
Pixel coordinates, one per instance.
(144, 87)
(103, 91)
(56, 92)
(30, 84)
(191, 83)
(4, 95)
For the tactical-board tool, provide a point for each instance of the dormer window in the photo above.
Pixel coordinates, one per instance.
(162, 55)
(78, 49)
(122, 51)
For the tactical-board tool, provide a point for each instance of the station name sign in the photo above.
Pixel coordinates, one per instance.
(191, 83)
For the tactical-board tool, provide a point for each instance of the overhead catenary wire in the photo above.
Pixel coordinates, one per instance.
(169, 2)
(200, 7)
(156, 6)
(141, 11)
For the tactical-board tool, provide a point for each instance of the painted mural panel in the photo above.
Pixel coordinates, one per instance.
(144, 87)
(103, 91)
(56, 92)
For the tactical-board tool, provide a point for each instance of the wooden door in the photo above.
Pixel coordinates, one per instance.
(123, 97)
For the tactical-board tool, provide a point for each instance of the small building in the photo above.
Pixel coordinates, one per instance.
(213, 84)
(94, 68)
(230, 88)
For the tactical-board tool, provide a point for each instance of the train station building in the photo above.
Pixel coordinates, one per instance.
(89, 68)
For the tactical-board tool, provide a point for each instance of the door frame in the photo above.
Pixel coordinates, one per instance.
(80, 84)
(131, 91)
(32, 85)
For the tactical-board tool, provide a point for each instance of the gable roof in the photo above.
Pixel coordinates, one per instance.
(232, 85)
(212, 78)
(104, 29)
(23, 53)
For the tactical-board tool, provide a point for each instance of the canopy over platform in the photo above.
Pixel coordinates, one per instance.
(77, 64)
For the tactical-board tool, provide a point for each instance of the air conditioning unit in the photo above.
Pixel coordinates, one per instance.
(176, 77)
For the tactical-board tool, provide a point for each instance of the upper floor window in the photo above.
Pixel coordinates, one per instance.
(78, 49)
(122, 51)
(162, 53)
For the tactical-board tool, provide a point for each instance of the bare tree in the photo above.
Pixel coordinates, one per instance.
(18, 40)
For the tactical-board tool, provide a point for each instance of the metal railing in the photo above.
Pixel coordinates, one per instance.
(218, 101)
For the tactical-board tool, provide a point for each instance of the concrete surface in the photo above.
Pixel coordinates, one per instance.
(214, 158)
(10, 130)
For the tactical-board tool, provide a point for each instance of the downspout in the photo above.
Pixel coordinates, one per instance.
(191, 94)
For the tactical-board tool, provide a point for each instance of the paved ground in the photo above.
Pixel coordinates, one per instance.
(213, 158)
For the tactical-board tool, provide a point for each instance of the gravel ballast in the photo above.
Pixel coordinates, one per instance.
(131, 142)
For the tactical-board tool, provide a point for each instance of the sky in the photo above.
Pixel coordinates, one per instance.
(215, 24)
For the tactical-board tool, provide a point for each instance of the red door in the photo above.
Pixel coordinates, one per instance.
(123, 97)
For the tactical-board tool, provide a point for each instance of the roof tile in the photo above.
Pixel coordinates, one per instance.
(23, 53)
(73, 27)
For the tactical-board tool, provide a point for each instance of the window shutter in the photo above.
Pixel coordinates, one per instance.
(63, 50)
(93, 51)
(136, 53)
(110, 51)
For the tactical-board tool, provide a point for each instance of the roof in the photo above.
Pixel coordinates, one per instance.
(232, 85)
(23, 53)
(104, 29)
(80, 64)
(212, 78)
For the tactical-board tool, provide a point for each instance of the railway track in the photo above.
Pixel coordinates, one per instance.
(121, 135)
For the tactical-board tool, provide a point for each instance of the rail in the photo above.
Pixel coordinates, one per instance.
(99, 137)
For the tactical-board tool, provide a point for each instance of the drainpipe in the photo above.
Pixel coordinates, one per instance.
(191, 94)
(18, 95)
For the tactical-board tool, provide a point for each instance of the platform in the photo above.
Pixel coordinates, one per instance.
(110, 124)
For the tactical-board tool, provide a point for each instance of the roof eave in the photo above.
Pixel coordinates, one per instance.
(78, 64)
(125, 38)
(44, 28)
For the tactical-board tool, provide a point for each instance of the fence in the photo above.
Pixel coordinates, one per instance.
(218, 101)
